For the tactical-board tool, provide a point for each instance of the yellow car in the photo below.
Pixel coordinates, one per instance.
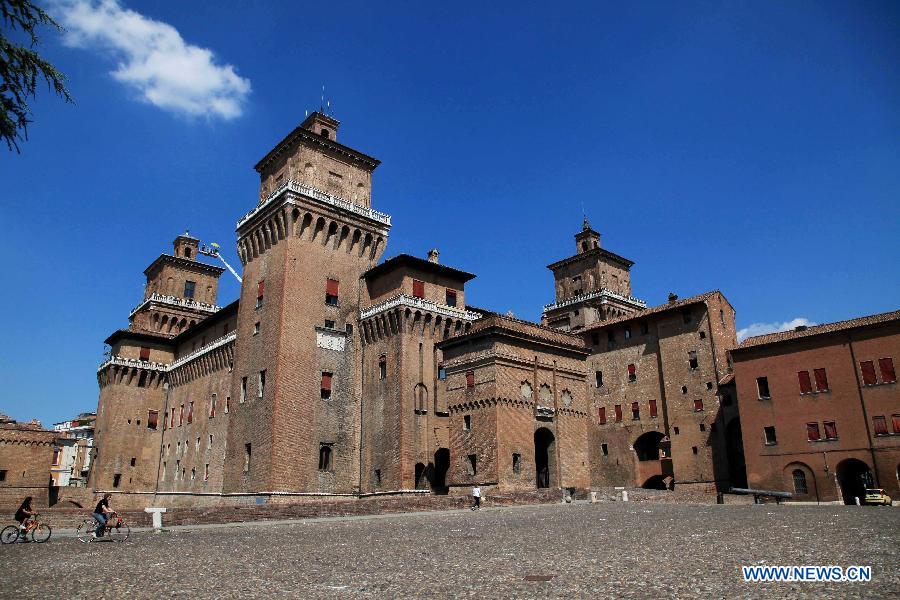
(877, 497)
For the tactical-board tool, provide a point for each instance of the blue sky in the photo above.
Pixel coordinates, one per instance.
(751, 147)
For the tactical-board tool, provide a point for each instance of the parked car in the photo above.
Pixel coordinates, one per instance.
(877, 497)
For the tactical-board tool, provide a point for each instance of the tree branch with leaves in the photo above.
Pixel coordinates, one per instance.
(22, 68)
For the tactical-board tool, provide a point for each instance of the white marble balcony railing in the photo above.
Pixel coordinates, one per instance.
(165, 368)
(602, 292)
(421, 304)
(133, 362)
(317, 194)
(225, 339)
(175, 301)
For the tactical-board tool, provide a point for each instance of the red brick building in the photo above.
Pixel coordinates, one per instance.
(820, 408)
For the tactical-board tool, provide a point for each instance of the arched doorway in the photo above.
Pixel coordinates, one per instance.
(734, 454)
(544, 458)
(420, 477)
(647, 445)
(439, 477)
(854, 477)
(657, 482)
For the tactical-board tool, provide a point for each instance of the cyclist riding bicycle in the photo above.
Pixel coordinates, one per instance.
(24, 516)
(101, 512)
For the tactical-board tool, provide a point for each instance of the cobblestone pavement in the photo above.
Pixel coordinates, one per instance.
(602, 550)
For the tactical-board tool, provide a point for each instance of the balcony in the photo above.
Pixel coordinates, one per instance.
(175, 301)
(420, 304)
(602, 293)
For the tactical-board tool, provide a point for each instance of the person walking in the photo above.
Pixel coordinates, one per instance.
(476, 497)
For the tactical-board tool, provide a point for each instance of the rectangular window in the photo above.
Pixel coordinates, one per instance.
(467, 422)
(190, 413)
(895, 422)
(209, 442)
(212, 405)
(635, 411)
(189, 287)
(261, 384)
(145, 353)
(692, 360)
(516, 462)
(618, 409)
(451, 297)
(653, 412)
(632, 373)
(769, 432)
(206, 472)
(604, 448)
(698, 405)
(260, 292)
(830, 430)
(888, 375)
(442, 373)
(116, 479)
(880, 425)
(329, 324)
(197, 445)
(326, 385)
(601, 415)
(172, 424)
(821, 380)
(812, 432)
(152, 419)
(470, 379)
(628, 333)
(243, 397)
(762, 387)
(331, 292)
(181, 416)
(248, 451)
(418, 288)
(382, 367)
(472, 464)
(227, 404)
(56, 454)
(256, 328)
(868, 372)
(805, 384)
(325, 457)
(598, 376)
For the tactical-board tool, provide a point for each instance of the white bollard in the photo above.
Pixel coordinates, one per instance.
(157, 518)
(624, 495)
(593, 497)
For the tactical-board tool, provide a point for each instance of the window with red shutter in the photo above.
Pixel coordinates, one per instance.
(331, 292)
(880, 425)
(805, 384)
(821, 380)
(191, 413)
(887, 370)
(653, 408)
(632, 373)
(172, 424)
(470, 379)
(698, 405)
(145, 353)
(868, 372)
(152, 419)
(181, 416)
(895, 421)
(635, 411)
(418, 288)
(618, 412)
(260, 292)
(601, 415)
(830, 430)
(326, 385)
(812, 432)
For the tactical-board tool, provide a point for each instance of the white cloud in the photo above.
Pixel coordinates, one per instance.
(763, 328)
(154, 59)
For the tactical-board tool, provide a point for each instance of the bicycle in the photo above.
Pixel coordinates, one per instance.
(40, 532)
(115, 529)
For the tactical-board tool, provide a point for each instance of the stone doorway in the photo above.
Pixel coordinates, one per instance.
(544, 458)
(854, 476)
(439, 473)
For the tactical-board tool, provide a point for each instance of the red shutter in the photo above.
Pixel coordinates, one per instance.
(261, 288)
(821, 380)
(331, 287)
(881, 425)
(887, 370)
(635, 409)
(653, 408)
(618, 412)
(152, 419)
(418, 288)
(470, 379)
(326, 381)
(868, 372)
(698, 405)
(191, 413)
(172, 423)
(830, 430)
(895, 421)
(601, 415)
(145, 353)
(805, 384)
(181, 416)
(812, 432)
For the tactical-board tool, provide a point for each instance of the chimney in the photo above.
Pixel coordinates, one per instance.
(672, 297)
(433, 255)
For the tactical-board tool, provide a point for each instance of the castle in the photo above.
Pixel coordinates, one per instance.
(337, 374)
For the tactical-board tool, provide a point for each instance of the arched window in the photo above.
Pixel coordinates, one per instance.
(382, 367)
(325, 457)
(326, 133)
(187, 252)
(800, 482)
